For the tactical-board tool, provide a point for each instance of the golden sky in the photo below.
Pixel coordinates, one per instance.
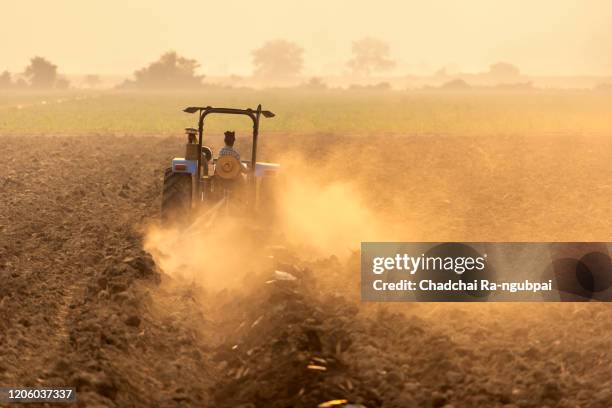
(119, 36)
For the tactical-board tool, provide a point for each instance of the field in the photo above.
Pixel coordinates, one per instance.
(96, 295)
(369, 113)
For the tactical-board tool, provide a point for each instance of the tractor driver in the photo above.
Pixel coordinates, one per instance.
(228, 149)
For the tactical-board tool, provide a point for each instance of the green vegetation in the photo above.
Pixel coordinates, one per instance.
(455, 113)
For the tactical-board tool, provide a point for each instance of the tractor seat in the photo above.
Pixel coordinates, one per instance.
(227, 167)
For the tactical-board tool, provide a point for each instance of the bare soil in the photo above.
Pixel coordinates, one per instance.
(82, 304)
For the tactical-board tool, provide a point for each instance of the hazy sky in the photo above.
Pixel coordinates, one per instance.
(119, 36)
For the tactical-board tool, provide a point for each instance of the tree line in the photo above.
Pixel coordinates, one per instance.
(39, 74)
(276, 60)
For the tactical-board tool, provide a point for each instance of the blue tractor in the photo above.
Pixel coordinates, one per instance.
(201, 181)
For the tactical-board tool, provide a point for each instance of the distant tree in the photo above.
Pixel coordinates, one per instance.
(441, 73)
(370, 55)
(381, 86)
(516, 86)
(169, 71)
(62, 83)
(278, 59)
(503, 71)
(21, 83)
(41, 73)
(91, 80)
(5, 80)
(315, 84)
(605, 87)
(455, 84)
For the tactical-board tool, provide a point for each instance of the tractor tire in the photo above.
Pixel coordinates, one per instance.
(176, 198)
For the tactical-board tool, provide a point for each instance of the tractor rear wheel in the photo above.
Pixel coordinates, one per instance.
(176, 197)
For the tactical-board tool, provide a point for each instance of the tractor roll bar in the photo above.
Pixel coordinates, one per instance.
(254, 114)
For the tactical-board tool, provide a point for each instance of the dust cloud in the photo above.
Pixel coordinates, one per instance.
(214, 257)
(313, 215)
(323, 215)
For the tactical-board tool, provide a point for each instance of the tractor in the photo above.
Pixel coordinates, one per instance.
(201, 182)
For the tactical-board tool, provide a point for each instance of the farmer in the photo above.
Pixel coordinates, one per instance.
(228, 149)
